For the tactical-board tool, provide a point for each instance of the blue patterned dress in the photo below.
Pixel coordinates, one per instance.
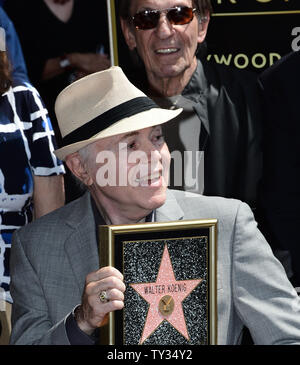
(27, 143)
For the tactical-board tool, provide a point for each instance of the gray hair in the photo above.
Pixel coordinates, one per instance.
(85, 153)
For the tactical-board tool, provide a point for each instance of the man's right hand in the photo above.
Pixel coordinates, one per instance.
(92, 312)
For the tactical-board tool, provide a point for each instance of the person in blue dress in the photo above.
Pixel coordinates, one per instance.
(31, 177)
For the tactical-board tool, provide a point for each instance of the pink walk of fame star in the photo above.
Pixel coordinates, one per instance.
(166, 291)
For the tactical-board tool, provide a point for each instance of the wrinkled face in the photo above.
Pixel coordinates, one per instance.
(167, 50)
(130, 175)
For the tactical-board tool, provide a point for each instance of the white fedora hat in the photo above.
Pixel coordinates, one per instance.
(101, 105)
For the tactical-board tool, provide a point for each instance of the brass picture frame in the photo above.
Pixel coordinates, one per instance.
(170, 273)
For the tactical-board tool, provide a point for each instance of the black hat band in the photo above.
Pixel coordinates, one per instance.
(103, 121)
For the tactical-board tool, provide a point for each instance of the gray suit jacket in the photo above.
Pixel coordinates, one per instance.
(51, 257)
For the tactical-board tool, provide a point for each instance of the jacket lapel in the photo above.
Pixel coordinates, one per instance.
(199, 85)
(201, 110)
(81, 245)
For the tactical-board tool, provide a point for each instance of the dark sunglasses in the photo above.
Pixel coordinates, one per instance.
(148, 19)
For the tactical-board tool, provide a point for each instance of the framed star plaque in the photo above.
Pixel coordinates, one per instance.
(170, 275)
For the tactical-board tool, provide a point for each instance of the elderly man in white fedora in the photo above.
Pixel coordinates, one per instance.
(62, 296)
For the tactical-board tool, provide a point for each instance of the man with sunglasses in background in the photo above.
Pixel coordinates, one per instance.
(221, 106)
